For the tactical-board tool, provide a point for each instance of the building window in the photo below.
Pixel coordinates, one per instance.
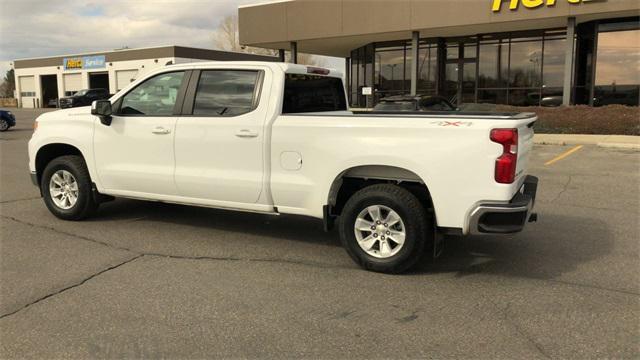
(525, 63)
(353, 82)
(427, 68)
(460, 70)
(391, 75)
(493, 60)
(27, 94)
(520, 68)
(617, 66)
(553, 70)
(361, 75)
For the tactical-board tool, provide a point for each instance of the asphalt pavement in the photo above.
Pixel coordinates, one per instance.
(151, 280)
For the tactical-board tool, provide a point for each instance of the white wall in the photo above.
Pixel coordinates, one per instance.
(180, 60)
(142, 66)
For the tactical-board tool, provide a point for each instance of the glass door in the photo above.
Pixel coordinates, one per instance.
(460, 72)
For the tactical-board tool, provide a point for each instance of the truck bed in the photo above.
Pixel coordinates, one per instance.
(450, 152)
(449, 114)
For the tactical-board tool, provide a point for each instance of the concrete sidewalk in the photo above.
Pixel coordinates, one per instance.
(610, 141)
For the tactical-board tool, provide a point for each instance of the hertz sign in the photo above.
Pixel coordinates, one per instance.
(532, 4)
(84, 62)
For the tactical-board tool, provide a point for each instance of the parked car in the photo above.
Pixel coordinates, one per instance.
(83, 98)
(52, 103)
(277, 139)
(7, 120)
(414, 103)
(551, 101)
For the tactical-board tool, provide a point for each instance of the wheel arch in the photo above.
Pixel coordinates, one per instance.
(347, 182)
(50, 151)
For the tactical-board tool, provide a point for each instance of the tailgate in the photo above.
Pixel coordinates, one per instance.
(525, 146)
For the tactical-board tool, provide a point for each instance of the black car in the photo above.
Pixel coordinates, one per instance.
(84, 98)
(401, 103)
(7, 120)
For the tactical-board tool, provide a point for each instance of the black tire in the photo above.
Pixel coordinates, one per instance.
(85, 205)
(4, 125)
(418, 227)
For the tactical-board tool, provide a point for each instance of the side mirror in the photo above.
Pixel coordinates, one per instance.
(102, 109)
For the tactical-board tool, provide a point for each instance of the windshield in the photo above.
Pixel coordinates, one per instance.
(82, 92)
(396, 106)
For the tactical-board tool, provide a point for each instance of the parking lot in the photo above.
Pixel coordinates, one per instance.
(157, 280)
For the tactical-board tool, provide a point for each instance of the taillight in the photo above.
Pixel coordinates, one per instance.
(506, 163)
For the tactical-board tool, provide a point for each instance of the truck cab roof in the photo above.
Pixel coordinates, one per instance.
(285, 67)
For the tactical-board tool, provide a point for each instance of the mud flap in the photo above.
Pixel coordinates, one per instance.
(438, 243)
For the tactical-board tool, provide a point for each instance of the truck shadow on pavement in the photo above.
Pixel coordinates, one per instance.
(286, 227)
(547, 249)
(544, 250)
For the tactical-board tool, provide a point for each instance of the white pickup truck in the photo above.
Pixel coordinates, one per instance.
(278, 139)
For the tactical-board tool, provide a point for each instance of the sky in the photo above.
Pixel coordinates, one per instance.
(35, 28)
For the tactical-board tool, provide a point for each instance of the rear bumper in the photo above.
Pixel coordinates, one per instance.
(490, 218)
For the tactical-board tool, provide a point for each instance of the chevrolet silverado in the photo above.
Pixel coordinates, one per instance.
(278, 138)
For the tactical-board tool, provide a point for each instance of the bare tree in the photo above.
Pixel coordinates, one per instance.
(8, 85)
(308, 59)
(226, 38)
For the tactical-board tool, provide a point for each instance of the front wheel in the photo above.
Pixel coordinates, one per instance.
(66, 188)
(385, 228)
(4, 125)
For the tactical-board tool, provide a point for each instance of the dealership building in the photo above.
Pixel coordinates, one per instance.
(41, 81)
(517, 52)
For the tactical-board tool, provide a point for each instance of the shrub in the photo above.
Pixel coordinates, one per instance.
(582, 119)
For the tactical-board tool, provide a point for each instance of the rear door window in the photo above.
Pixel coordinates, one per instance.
(226, 92)
(312, 93)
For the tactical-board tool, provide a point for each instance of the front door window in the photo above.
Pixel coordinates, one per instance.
(154, 97)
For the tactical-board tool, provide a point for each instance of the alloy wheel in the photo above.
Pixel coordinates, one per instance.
(380, 231)
(63, 188)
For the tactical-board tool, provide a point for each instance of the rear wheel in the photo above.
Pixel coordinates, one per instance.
(66, 188)
(385, 228)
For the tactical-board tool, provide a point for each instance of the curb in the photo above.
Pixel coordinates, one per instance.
(603, 141)
(550, 142)
(619, 146)
(626, 146)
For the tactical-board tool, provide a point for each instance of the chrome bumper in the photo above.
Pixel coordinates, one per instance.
(506, 218)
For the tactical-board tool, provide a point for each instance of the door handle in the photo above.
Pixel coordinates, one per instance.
(160, 130)
(246, 133)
